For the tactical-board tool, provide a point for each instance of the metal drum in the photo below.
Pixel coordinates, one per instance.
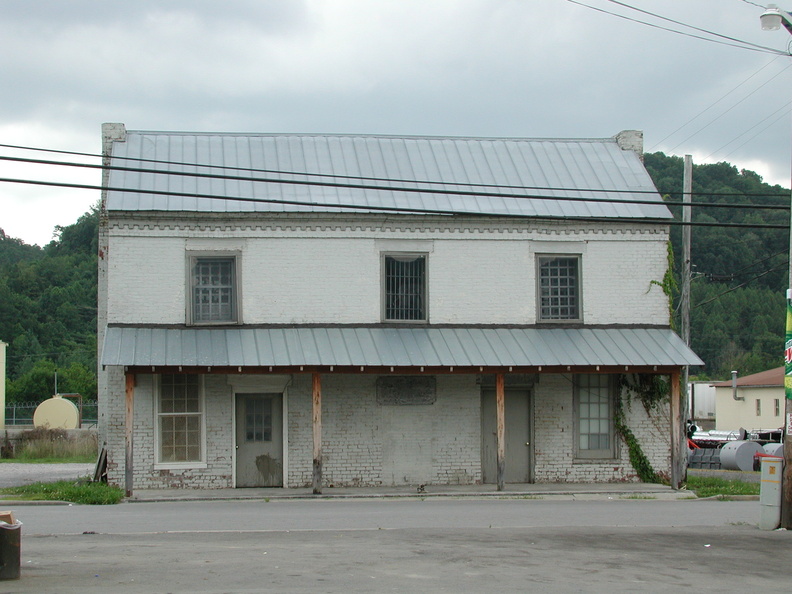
(739, 455)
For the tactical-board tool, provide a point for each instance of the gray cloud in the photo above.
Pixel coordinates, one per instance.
(447, 67)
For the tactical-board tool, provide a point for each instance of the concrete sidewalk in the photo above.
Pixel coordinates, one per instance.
(581, 491)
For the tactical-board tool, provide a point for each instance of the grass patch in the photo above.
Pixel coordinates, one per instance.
(53, 446)
(82, 491)
(704, 486)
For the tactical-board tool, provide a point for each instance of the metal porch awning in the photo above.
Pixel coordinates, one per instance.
(365, 347)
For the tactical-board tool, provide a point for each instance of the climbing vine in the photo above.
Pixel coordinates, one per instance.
(669, 284)
(650, 390)
(638, 459)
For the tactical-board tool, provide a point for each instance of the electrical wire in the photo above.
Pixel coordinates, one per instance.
(742, 44)
(699, 29)
(758, 276)
(752, 129)
(706, 109)
(757, 89)
(406, 189)
(389, 209)
(322, 175)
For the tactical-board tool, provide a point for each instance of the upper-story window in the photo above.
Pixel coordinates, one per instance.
(404, 287)
(214, 295)
(559, 288)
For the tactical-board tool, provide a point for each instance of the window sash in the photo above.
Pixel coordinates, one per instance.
(214, 291)
(594, 428)
(559, 287)
(404, 287)
(180, 420)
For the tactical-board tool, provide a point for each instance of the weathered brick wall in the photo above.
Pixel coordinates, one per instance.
(216, 472)
(554, 437)
(485, 275)
(368, 444)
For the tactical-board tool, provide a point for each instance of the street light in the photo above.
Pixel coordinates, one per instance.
(772, 19)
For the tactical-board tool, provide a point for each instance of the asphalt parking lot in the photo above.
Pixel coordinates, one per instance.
(401, 545)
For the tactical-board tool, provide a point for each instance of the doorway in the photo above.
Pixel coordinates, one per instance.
(259, 440)
(518, 448)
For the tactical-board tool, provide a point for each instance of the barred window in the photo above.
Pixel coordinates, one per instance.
(559, 287)
(594, 428)
(404, 287)
(180, 418)
(214, 291)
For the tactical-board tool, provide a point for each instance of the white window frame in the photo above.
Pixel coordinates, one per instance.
(159, 464)
(193, 258)
(384, 289)
(540, 260)
(583, 383)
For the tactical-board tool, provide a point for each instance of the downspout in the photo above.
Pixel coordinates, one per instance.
(734, 387)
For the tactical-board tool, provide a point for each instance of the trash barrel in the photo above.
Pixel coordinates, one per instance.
(10, 545)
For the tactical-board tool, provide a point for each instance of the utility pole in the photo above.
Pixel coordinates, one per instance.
(687, 191)
(771, 20)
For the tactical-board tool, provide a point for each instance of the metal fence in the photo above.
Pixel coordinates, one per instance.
(21, 413)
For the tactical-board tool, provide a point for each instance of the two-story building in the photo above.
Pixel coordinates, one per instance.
(319, 310)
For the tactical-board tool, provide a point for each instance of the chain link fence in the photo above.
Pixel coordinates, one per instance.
(21, 413)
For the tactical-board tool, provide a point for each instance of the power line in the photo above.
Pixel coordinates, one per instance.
(706, 109)
(756, 90)
(742, 44)
(320, 175)
(419, 190)
(707, 31)
(752, 129)
(390, 209)
(758, 276)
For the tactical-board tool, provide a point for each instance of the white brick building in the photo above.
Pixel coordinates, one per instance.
(269, 317)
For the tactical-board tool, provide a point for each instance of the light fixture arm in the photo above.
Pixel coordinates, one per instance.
(774, 17)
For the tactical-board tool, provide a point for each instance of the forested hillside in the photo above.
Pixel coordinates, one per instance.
(48, 312)
(48, 295)
(740, 274)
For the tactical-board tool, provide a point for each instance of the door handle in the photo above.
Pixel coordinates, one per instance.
(527, 443)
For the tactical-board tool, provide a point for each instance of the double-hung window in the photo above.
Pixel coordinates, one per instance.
(180, 420)
(559, 288)
(594, 428)
(404, 287)
(214, 295)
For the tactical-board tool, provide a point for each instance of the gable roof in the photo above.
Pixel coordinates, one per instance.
(318, 173)
(764, 379)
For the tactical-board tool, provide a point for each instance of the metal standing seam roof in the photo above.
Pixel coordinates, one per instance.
(544, 171)
(394, 347)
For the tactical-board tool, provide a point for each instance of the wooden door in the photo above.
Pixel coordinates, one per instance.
(518, 449)
(259, 440)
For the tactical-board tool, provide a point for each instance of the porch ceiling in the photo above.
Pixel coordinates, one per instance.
(365, 347)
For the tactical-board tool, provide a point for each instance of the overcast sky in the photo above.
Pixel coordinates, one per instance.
(526, 68)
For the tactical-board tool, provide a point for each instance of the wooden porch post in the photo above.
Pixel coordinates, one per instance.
(500, 398)
(677, 469)
(129, 431)
(317, 434)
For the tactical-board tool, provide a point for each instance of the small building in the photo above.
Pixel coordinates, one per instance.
(318, 310)
(756, 404)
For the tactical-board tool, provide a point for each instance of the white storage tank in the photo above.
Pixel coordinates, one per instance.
(57, 413)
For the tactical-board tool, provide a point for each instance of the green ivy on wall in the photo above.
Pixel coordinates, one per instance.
(650, 390)
(669, 284)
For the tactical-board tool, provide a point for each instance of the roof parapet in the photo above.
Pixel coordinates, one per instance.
(631, 140)
(112, 133)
